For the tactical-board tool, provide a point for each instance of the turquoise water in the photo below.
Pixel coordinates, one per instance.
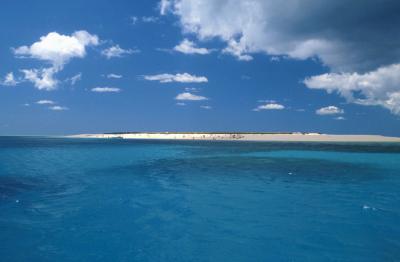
(119, 200)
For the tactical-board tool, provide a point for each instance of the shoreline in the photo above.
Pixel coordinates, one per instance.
(266, 137)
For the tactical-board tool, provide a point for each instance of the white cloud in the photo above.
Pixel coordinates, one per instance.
(190, 97)
(164, 6)
(180, 104)
(114, 76)
(268, 101)
(206, 107)
(296, 29)
(58, 108)
(238, 50)
(270, 106)
(340, 118)
(144, 19)
(361, 51)
(74, 78)
(134, 19)
(329, 110)
(149, 19)
(181, 78)
(191, 89)
(45, 102)
(43, 79)
(379, 87)
(117, 51)
(189, 47)
(106, 90)
(275, 59)
(9, 80)
(56, 49)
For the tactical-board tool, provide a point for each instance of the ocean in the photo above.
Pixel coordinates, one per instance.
(132, 200)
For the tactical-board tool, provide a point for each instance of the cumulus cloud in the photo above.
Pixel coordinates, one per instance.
(56, 49)
(43, 79)
(379, 87)
(238, 50)
(9, 80)
(114, 76)
(358, 41)
(181, 78)
(190, 97)
(189, 47)
(58, 108)
(117, 51)
(346, 36)
(329, 110)
(269, 106)
(45, 102)
(106, 90)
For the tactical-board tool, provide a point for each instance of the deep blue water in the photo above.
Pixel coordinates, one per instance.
(121, 200)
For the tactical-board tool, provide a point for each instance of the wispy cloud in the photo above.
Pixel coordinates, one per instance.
(106, 90)
(144, 19)
(190, 97)
(43, 79)
(116, 76)
(206, 107)
(9, 80)
(134, 20)
(329, 110)
(269, 106)
(164, 6)
(340, 118)
(181, 78)
(74, 79)
(58, 108)
(189, 47)
(192, 89)
(150, 19)
(45, 102)
(52, 105)
(238, 50)
(117, 51)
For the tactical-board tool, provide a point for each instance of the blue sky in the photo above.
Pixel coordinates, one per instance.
(69, 67)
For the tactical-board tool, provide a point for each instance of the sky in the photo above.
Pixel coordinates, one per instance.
(70, 67)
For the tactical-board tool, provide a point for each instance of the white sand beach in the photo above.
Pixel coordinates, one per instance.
(283, 137)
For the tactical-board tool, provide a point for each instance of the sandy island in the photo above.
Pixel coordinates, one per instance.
(282, 137)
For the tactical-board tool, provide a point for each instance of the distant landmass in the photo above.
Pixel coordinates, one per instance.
(244, 136)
